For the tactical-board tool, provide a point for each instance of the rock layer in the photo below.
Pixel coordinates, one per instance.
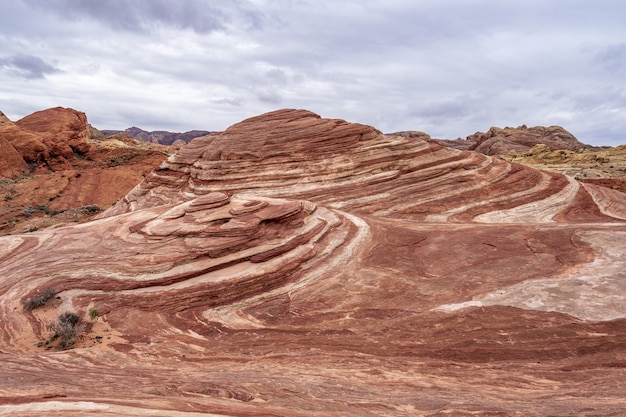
(300, 266)
(353, 167)
(498, 141)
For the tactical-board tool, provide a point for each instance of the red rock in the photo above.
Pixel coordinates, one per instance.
(50, 137)
(497, 141)
(298, 266)
(72, 195)
(295, 153)
(11, 162)
(28, 145)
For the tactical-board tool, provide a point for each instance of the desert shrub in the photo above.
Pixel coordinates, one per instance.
(93, 313)
(44, 208)
(66, 329)
(91, 209)
(40, 300)
(28, 211)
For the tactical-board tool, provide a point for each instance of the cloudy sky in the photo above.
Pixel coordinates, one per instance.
(446, 67)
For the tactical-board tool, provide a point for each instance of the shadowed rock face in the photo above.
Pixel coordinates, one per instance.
(299, 266)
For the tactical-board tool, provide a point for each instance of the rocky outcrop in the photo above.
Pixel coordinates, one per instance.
(50, 139)
(497, 141)
(11, 162)
(296, 266)
(32, 202)
(54, 172)
(353, 167)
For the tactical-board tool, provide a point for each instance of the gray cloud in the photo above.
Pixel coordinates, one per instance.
(613, 58)
(269, 96)
(27, 66)
(201, 16)
(449, 68)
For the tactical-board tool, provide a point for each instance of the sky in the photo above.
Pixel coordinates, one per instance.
(446, 67)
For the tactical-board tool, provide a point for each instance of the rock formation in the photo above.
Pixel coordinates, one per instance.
(11, 161)
(52, 171)
(352, 167)
(606, 167)
(497, 141)
(300, 266)
(49, 138)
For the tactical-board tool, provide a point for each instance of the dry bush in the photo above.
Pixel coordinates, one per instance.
(66, 329)
(40, 300)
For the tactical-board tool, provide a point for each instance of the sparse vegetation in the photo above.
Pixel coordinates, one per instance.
(91, 209)
(93, 313)
(40, 300)
(66, 329)
(43, 208)
(28, 211)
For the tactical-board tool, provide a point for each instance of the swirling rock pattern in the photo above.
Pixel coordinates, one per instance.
(300, 266)
(353, 167)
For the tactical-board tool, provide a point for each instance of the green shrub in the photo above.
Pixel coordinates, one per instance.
(93, 313)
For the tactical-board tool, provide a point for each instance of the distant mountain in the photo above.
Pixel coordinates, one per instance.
(498, 141)
(163, 137)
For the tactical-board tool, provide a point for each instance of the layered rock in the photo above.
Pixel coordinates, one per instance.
(498, 141)
(353, 167)
(298, 266)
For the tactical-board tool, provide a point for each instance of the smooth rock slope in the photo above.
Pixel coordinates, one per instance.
(300, 266)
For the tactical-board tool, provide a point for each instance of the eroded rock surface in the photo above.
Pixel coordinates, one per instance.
(500, 141)
(300, 266)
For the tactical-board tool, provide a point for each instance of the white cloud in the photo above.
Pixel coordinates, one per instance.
(449, 68)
